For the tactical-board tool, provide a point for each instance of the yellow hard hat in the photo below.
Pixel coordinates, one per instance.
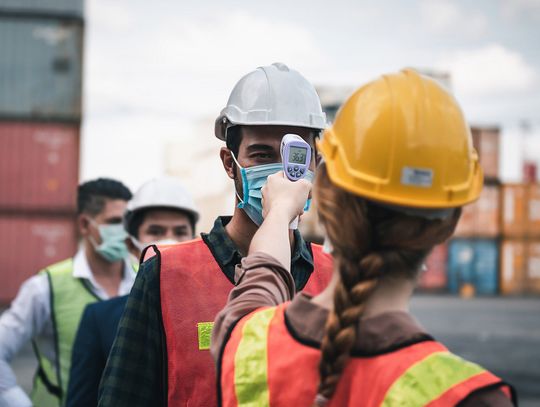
(402, 140)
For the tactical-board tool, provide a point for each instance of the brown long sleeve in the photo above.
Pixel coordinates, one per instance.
(261, 281)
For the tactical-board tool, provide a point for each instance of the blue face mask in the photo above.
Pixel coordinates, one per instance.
(253, 179)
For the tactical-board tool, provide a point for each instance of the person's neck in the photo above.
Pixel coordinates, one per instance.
(100, 267)
(389, 296)
(241, 230)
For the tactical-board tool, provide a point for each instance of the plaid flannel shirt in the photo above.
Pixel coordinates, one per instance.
(136, 370)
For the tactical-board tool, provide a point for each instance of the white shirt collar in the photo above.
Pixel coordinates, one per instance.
(81, 269)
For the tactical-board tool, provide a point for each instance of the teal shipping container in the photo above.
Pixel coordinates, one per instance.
(473, 262)
(63, 8)
(40, 68)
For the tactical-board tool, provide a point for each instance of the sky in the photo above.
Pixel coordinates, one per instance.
(156, 74)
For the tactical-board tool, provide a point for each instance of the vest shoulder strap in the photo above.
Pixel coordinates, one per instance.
(153, 250)
(62, 267)
(440, 379)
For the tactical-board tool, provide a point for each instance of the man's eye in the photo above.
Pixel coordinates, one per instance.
(262, 155)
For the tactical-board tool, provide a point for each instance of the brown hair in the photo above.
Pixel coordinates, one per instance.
(370, 243)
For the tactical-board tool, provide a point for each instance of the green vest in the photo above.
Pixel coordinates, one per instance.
(69, 296)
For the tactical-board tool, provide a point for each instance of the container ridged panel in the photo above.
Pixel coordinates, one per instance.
(30, 243)
(473, 262)
(39, 167)
(57, 7)
(40, 68)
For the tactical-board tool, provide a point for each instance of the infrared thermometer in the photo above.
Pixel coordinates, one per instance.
(296, 157)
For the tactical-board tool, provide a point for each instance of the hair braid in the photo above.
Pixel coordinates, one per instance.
(367, 249)
(341, 328)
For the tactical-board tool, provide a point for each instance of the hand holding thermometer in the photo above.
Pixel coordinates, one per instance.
(296, 157)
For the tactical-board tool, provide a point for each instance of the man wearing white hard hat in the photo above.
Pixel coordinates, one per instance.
(162, 213)
(161, 354)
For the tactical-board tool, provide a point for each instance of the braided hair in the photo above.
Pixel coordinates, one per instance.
(370, 243)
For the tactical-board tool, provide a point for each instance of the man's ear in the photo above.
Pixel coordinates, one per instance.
(228, 163)
(317, 155)
(83, 224)
(318, 158)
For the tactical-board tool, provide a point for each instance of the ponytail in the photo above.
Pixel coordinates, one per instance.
(370, 243)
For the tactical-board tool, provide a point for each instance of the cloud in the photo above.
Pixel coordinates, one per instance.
(175, 64)
(516, 9)
(151, 72)
(446, 17)
(489, 70)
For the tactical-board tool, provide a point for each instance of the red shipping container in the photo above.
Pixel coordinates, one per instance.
(486, 143)
(533, 211)
(467, 222)
(434, 277)
(530, 172)
(39, 166)
(30, 243)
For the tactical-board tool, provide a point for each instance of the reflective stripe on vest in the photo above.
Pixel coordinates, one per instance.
(251, 361)
(68, 296)
(263, 365)
(193, 289)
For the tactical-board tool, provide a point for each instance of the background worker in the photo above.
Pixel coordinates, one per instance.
(48, 307)
(178, 292)
(398, 166)
(162, 212)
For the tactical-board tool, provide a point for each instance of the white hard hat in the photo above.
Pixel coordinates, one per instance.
(165, 192)
(272, 95)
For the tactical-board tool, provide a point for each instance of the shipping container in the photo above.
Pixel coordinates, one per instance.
(521, 210)
(530, 172)
(486, 141)
(514, 212)
(467, 222)
(482, 218)
(66, 8)
(40, 68)
(39, 166)
(30, 243)
(473, 263)
(488, 208)
(533, 211)
(434, 276)
(513, 265)
(533, 268)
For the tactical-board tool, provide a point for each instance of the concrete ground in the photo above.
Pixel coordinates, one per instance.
(502, 334)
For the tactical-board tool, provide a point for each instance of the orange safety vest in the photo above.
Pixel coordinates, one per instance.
(193, 289)
(256, 371)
